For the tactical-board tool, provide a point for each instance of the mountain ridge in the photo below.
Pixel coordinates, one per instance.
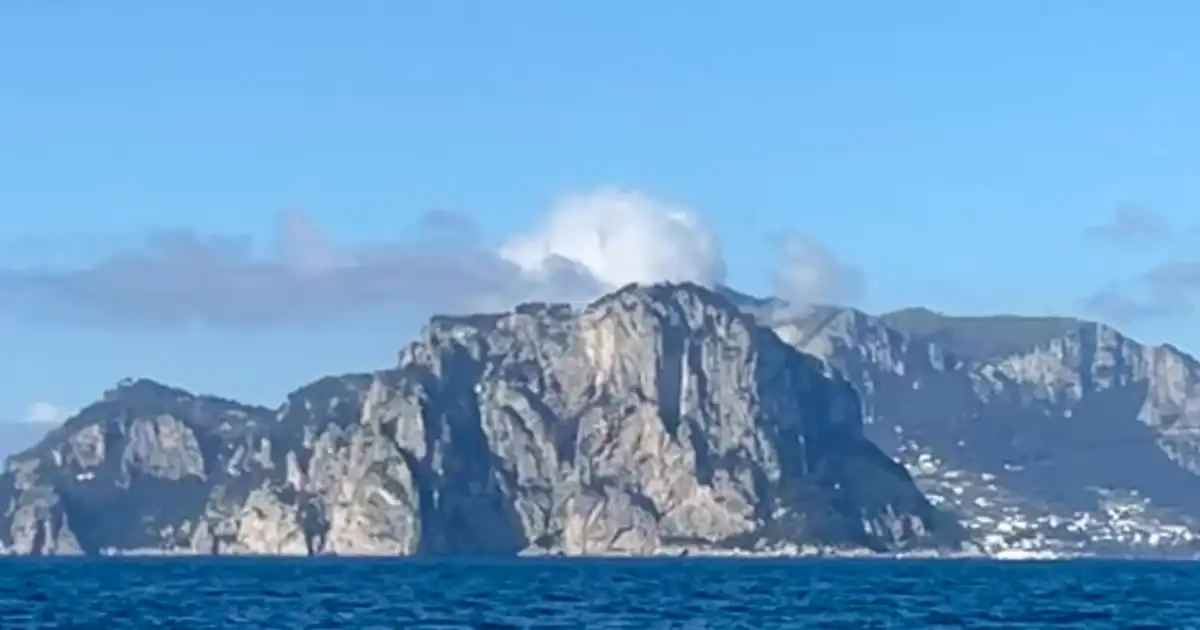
(1066, 400)
(1010, 423)
(657, 419)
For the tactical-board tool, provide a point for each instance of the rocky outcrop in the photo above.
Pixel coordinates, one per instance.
(658, 418)
(1042, 434)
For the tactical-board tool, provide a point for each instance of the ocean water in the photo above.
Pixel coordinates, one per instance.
(759, 594)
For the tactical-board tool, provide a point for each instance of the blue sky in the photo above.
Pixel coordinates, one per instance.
(947, 154)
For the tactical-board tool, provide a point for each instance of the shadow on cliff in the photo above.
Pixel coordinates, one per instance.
(464, 509)
(1057, 451)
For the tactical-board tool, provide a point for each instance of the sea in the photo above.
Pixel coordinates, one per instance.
(329, 593)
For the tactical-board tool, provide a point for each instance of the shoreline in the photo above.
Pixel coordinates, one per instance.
(670, 553)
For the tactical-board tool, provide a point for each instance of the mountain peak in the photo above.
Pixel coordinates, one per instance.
(659, 417)
(141, 387)
(663, 293)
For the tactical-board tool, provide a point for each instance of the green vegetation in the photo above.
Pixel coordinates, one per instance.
(979, 337)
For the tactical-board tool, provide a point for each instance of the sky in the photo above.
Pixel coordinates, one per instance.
(240, 197)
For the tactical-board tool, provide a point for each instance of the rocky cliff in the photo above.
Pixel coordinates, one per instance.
(659, 418)
(1043, 434)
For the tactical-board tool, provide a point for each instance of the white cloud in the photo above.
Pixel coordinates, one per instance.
(621, 237)
(45, 413)
(807, 272)
(586, 244)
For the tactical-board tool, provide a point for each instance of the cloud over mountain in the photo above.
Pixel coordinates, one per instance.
(586, 244)
(807, 271)
(1167, 288)
(42, 412)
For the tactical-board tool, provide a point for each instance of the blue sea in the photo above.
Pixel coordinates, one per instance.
(593, 594)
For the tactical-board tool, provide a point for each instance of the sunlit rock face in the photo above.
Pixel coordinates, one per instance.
(659, 419)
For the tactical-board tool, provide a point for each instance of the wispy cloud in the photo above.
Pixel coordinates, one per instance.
(1168, 288)
(1124, 305)
(1131, 224)
(806, 271)
(586, 244)
(42, 412)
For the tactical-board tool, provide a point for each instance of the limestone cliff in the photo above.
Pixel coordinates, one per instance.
(1041, 433)
(657, 418)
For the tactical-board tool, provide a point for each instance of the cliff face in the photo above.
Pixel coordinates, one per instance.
(1042, 434)
(658, 418)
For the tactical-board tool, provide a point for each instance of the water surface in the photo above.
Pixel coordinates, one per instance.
(272, 594)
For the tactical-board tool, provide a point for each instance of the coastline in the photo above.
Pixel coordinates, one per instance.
(665, 553)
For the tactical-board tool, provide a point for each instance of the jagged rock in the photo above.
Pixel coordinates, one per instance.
(1042, 433)
(659, 416)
